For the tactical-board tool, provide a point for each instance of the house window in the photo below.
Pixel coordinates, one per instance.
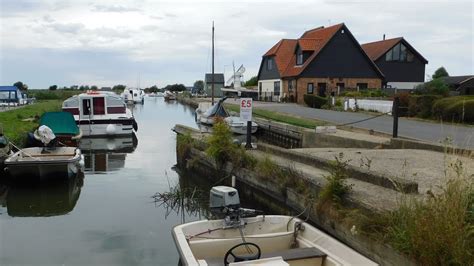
(299, 58)
(362, 86)
(276, 88)
(290, 85)
(310, 88)
(269, 63)
(340, 87)
(399, 53)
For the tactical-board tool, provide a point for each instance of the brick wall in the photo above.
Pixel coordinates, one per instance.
(300, 86)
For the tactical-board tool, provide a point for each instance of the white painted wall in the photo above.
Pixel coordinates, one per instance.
(404, 85)
(372, 105)
(268, 85)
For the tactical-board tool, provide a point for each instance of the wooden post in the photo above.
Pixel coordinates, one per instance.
(212, 78)
(395, 114)
(248, 145)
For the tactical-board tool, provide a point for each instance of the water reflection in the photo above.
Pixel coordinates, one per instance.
(41, 200)
(106, 154)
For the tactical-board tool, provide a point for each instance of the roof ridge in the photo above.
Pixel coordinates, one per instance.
(386, 40)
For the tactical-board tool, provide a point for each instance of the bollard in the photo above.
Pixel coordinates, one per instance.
(248, 145)
(395, 113)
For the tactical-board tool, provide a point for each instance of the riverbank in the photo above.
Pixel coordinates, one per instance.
(16, 123)
(367, 198)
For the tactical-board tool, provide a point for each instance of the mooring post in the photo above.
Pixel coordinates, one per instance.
(395, 114)
(248, 145)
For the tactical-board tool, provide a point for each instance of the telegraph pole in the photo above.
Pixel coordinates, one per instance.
(212, 77)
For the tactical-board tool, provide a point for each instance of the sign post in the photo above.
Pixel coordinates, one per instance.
(246, 115)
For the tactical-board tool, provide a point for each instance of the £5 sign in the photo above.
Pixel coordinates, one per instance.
(246, 109)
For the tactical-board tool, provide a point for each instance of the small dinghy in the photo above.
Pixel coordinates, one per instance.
(169, 96)
(245, 237)
(63, 126)
(45, 162)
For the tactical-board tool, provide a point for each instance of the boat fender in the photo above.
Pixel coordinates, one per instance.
(135, 125)
(110, 130)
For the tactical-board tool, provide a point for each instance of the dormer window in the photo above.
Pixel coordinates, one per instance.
(399, 53)
(299, 57)
(269, 63)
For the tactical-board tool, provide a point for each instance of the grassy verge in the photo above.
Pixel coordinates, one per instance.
(15, 129)
(279, 117)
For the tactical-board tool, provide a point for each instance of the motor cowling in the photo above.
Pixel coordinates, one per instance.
(223, 199)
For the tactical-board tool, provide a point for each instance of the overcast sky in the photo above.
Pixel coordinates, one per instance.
(161, 42)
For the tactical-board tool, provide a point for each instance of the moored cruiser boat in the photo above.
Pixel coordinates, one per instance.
(101, 114)
(133, 96)
(44, 163)
(244, 238)
(169, 96)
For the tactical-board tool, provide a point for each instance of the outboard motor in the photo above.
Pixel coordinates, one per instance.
(224, 203)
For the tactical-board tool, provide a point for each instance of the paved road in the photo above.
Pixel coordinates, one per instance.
(462, 136)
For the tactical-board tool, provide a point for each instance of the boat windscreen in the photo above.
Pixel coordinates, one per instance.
(61, 123)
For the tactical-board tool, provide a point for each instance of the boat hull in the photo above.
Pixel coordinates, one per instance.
(28, 164)
(102, 128)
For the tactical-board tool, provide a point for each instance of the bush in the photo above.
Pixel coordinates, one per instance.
(365, 93)
(455, 109)
(436, 86)
(404, 101)
(421, 105)
(315, 101)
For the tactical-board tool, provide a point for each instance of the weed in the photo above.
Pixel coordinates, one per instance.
(335, 188)
(184, 143)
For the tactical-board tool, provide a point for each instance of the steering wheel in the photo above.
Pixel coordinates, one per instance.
(238, 258)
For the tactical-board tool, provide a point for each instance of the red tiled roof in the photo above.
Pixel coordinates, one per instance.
(314, 40)
(376, 49)
(283, 51)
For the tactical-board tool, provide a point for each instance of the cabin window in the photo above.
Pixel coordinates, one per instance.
(269, 63)
(276, 88)
(310, 88)
(86, 107)
(99, 105)
(299, 58)
(4, 95)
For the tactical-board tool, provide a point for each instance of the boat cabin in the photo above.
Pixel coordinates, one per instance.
(90, 104)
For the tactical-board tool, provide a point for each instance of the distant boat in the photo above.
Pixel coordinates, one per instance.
(169, 96)
(157, 94)
(133, 96)
(101, 114)
(44, 163)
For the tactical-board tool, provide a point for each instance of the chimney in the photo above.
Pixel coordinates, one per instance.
(384, 36)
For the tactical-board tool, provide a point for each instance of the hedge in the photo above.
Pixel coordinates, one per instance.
(315, 101)
(421, 105)
(455, 109)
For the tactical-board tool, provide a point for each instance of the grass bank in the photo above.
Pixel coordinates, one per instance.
(279, 117)
(14, 123)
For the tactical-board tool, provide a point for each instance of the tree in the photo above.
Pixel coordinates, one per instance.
(153, 88)
(440, 72)
(21, 86)
(251, 82)
(53, 87)
(434, 87)
(119, 87)
(198, 86)
(175, 87)
(94, 87)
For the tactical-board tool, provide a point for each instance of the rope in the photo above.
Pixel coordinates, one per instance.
(365, 119)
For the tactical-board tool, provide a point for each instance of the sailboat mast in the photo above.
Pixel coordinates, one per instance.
(212, 75)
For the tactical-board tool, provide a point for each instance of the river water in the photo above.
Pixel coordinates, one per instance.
(108, 216)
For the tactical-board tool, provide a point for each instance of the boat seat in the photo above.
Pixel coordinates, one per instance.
(295, 256)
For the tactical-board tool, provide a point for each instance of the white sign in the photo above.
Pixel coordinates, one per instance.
(246, 109)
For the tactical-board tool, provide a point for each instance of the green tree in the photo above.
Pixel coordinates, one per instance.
(153, 88)
(440, 72)
(119, 87)
(251, 82)
(94, 87)
(175, 87)
(21, 86)
(198, 86)
(53, 87)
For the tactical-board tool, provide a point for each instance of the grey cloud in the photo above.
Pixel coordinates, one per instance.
(48, 19)
(111, 33)
(156, 17)
(114, 8)
(170, 15)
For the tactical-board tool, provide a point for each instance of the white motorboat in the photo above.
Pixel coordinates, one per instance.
(133, 96)
(208, 115)
(169, 96)
(44, 162)
(244, 238)
(101, 114)
(157, 94)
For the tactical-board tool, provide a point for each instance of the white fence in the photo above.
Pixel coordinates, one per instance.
(380, 106)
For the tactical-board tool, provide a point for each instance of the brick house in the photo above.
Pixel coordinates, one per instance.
(402, 65)
(321, 62)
